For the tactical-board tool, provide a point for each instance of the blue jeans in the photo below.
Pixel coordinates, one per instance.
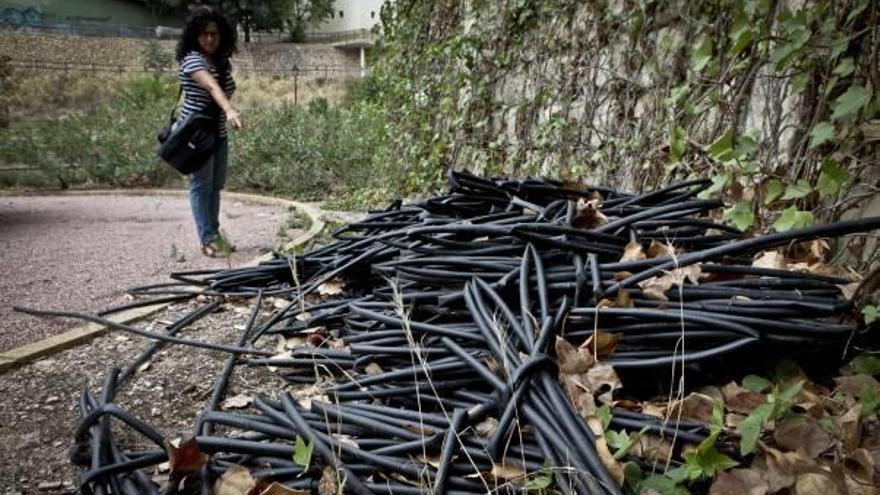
(204, 193)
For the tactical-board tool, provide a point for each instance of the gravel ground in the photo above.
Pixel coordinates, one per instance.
(38, 402)
(78, 253)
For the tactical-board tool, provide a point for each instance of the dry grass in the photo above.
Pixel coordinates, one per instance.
(273, 91)
(51, 94)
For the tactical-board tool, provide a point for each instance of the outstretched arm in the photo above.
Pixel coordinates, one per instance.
(207, 81)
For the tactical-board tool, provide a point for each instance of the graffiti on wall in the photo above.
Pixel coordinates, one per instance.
(16, 18)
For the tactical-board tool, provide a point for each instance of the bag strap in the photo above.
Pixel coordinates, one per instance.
(174, 107)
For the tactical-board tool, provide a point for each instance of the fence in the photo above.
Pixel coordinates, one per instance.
(67, 67)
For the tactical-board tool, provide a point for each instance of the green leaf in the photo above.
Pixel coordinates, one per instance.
(838, 47)
(677, 143)
(604, 415)
(702, 54)
(302, 452)
(783, 51)
(633, 475)
(772, 191)
(741, 34)
(621, 442)
(787, 395)
(867, 364)
(685, 473)
(871, 314)
(870, 401)
(540, 482)
(821, 133)
(740, 215)
(750, 428)
(707, 462)
(845, 67)
(717, 418)
(660, 485)
(756, 383)
(850, 102)
(748, 144)
(797, 190)
(722, 148)
(719, 182)
(832, 178)
(792, 218)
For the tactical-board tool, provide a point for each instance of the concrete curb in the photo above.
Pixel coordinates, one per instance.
(30, 352)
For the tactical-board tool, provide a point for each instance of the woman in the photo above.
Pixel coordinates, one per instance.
(203, 52)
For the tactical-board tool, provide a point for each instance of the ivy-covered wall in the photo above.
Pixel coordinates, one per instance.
(774, 100)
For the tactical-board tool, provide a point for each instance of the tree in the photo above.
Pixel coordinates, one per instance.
(161, 7)
(305, 13)
(255, 14)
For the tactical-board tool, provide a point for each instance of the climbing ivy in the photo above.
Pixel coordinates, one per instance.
(769, 100)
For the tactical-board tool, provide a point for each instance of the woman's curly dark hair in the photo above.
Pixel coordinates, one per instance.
(195, 23)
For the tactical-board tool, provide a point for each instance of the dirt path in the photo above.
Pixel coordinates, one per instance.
(80, 252)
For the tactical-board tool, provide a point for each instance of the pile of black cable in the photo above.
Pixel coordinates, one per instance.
(438, 335)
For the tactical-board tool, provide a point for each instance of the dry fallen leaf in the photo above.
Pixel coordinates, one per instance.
(816, 483)
(569, 360)
(329, 484)
(656, 287)
(486, 427)
(853, 385)
(739, 482)
(802, 432)
(782, 468)
(187, 458)
(652, 448)
(769, 259)
(632, 252)
(740, 400)
(696, 407)
(278, 489)
(237, 480)
(237, 402)
(588, 215)
(333, 287)
(602, 379)
(601, 344)
(659, 249)
(512, 474)
(850, 428)
(373, 368)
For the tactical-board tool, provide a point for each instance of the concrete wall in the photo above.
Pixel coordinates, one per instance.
(124, 12)
(79, 53)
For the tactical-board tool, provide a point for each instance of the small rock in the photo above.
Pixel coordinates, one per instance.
(57, 443)
(156, 412)
(52, 399)
(49, 485)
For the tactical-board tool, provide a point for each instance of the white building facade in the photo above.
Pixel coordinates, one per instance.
(352, 15)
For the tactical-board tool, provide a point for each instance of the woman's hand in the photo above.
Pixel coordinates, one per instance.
(233, 118)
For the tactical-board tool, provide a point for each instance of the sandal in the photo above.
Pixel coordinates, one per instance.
(209, 250)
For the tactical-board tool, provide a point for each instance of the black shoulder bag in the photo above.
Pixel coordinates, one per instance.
(187, 144)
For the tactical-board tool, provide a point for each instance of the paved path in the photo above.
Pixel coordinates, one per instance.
(80, 253)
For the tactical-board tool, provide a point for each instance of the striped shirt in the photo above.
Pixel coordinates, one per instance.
(196, 98)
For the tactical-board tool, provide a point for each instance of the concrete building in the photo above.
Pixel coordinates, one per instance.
(350, 27)
(352, 15)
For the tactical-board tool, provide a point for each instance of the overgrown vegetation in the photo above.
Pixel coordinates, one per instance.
(75, 138)
(773, 100)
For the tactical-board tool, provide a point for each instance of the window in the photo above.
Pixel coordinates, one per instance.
(372, 14)
(341, 14)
